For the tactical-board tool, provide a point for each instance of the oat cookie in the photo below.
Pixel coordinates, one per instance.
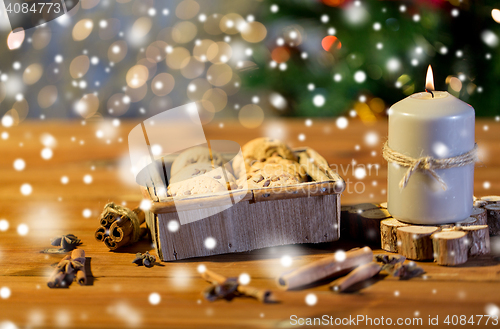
(197, 154)
(261, 149)
(194, 186)
(275, 163)
(198, 169)
(264, 147)
(275, 179)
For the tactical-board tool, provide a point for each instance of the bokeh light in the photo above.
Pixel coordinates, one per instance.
(15, 39)
(177, 58)
(214, 100)
(82, 29)
(184, 32)
(137, 76)
(162, 84)
(219, 74)
(495, 14)
(187, 9)
(253, 31)
(79, 66)
(117, 51)
(41, 38)
(87, 106)
(47, 96)
(330, 43)
(251, 116)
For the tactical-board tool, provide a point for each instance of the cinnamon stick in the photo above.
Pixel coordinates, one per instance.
(69, 268)
(107, 220)
(58, 275)
(327, 267)
(213, 277)
(120, 226)
(110, 243)
(361, 273)
(262, 295)
(100, 234)
(78, 255)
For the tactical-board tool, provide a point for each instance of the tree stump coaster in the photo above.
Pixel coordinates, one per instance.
(478, 239)
(362, 221)
(388, 234)
(415, 243)
(369, 224)
(466, 222)
(450, 247)
(480, 214)
(344, 220)
(490, 199)
(493, 218)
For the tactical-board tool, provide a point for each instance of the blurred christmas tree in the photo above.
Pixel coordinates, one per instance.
(332, 56)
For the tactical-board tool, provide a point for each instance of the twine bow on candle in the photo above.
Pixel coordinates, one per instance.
(427, 163)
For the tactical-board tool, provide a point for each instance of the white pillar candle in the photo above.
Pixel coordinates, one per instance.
(441, 127)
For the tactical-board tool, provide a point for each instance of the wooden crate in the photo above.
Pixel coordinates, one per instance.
(265, 217)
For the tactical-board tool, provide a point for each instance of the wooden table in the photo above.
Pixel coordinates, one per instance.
(119, 290)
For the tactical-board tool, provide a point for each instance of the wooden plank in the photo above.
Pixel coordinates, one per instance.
(302, 220)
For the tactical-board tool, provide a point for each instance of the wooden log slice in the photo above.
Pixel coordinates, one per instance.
(344, 210)
(469, 221)
(480, 214)
(478, 239)
(369, 224)
(355, 225)
(491, 199)
(414, 242)
(344, 220)
(388, 234)
(480, 203)
(383, 205)
(493, 217)
(450, 247)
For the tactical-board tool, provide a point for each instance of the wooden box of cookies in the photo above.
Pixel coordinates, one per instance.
(296, 200)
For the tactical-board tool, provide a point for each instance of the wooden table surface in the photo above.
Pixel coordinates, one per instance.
(118, 291)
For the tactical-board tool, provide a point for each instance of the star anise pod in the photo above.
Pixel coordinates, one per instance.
(228, 290)
(145, 259)
(67, 242)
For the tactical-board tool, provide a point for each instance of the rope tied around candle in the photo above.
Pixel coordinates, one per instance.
(427, 163)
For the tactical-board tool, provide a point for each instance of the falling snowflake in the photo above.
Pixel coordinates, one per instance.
(154, 298)
(311, 299)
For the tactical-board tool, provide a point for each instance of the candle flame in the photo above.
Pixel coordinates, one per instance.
(429, 80)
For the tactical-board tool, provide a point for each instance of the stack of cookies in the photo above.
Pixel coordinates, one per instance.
(199, 171)
(270, 163)
(266, 162)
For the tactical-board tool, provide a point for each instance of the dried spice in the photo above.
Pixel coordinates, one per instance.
(66, 243)
(408, 271)
(228, 288)
(390, 259)
(120, 226)
(394, 265)
(69, 268)
(145, 259)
